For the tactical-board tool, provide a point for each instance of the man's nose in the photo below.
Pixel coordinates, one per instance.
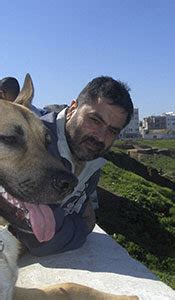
(101, 134)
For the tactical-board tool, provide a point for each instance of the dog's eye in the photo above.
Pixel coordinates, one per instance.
(8, 139)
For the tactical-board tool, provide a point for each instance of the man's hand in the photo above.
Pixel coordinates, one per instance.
(89, 216)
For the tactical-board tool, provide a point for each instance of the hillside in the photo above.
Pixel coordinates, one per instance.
(164, 164)
(139, 212)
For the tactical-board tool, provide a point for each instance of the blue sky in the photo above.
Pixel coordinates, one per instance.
(64, 44)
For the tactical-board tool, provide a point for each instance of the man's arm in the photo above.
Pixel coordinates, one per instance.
(89, 215)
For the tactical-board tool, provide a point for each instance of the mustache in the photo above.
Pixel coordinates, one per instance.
(93, 141)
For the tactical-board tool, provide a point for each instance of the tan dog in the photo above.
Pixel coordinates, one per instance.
(24, 142)
(28, 172)
(30, 178)
(8, 276)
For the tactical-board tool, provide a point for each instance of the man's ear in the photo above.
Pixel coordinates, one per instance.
(26, 94)
(2, 96)
(72, 108)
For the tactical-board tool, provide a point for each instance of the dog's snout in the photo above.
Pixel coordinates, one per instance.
(64, 182)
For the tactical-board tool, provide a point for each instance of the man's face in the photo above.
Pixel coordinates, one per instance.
(92, 128)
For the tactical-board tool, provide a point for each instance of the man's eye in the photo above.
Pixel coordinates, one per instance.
(96, 121)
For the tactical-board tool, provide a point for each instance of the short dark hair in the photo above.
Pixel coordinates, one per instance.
(10, 85)
(110, 89)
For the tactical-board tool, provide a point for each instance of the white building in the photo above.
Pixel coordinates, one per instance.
(170, 120)
(159, 127)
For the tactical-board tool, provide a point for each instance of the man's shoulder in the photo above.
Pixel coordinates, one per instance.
(54, 108)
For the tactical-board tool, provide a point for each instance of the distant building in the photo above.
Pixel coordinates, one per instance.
(158, 127)
(170, 120)
(154, 122)
(132, 129)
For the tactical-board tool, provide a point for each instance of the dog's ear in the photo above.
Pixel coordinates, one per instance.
(27, 92)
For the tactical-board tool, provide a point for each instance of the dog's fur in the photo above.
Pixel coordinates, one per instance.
(29, 172)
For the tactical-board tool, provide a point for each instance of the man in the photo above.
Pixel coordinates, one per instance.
(81, 134)
(9, 88)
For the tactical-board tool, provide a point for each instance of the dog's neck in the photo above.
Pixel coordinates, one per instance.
(9, 248)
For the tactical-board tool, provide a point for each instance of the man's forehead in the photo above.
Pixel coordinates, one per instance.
(113, 115)
(103, 106)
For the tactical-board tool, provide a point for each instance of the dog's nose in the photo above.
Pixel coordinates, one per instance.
(64, 182)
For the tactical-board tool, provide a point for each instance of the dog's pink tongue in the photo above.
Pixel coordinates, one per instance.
(42, 221)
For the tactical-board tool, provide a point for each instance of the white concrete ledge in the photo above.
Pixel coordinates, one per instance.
(101, 263)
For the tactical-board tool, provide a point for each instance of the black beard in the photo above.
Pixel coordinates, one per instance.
(75, 140)
(100, 146)
(75, 146)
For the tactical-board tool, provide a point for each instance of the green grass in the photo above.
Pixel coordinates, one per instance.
(149, 195)
(163, 268)
(164, 164)
(146, 222)
(169, 143)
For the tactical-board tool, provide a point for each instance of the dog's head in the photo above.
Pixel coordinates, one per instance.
(28, 172)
